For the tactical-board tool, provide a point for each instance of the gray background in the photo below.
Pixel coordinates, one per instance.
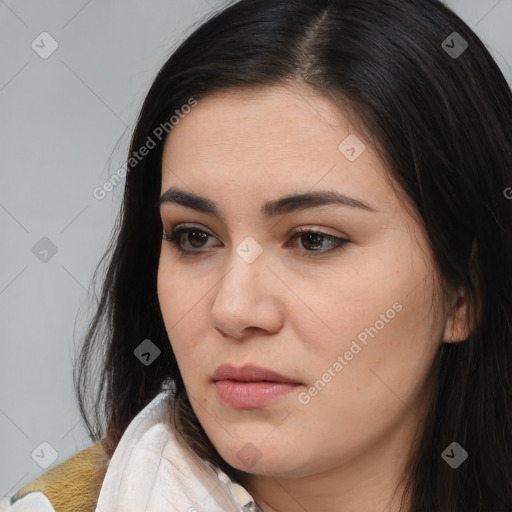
(65, 126)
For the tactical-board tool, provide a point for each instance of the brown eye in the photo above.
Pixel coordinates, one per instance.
(196, 238)
(312, 241)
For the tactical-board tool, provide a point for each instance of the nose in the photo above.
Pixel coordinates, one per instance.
(247, 300)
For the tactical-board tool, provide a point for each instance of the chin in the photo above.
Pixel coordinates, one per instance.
(248, 457)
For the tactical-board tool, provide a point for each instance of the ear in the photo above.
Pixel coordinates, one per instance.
(457, 326)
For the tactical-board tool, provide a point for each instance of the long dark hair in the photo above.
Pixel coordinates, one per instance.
(440, 116)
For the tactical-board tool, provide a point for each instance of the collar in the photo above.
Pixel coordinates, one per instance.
(153, 469)
(238, 492)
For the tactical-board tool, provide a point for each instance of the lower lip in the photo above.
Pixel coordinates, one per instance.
(251, 395)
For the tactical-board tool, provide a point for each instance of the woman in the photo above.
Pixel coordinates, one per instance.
(308, 303)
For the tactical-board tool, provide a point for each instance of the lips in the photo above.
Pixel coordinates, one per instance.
(249, 373)
(251, 387)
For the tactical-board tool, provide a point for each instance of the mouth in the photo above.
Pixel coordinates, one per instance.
(249, 373)
(250, 387)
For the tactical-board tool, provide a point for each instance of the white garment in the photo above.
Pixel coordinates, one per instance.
(154, 470)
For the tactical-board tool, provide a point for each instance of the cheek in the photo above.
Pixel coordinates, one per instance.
(380, 366)
(379, 319)
(342, 306)
(179, 303)
(185, 295)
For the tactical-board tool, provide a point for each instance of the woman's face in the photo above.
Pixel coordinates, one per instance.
(351, 328)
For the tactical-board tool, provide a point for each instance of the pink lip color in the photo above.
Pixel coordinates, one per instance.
(250, 386)
(251, 395)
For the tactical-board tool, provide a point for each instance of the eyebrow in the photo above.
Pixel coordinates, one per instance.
(281, 206)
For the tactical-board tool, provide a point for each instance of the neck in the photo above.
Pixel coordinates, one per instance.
(371, 481)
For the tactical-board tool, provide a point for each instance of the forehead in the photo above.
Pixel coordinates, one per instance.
(276, 116)
(286, 138)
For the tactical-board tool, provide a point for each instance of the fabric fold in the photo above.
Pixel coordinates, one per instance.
(154, 470)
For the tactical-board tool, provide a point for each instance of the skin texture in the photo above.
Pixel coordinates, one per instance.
(343, 450)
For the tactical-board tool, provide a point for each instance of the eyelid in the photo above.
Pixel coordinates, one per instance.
(308, 228)
(301, 229)
(318, 229)
(174, 234)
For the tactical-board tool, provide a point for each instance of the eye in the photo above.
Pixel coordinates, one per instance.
(175, 235)
(312, 240)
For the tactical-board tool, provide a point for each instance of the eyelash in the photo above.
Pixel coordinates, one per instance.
(173, 237)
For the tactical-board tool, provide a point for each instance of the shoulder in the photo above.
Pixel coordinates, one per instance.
(72, 486)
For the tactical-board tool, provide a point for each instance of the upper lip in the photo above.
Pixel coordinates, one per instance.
(249, 373)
